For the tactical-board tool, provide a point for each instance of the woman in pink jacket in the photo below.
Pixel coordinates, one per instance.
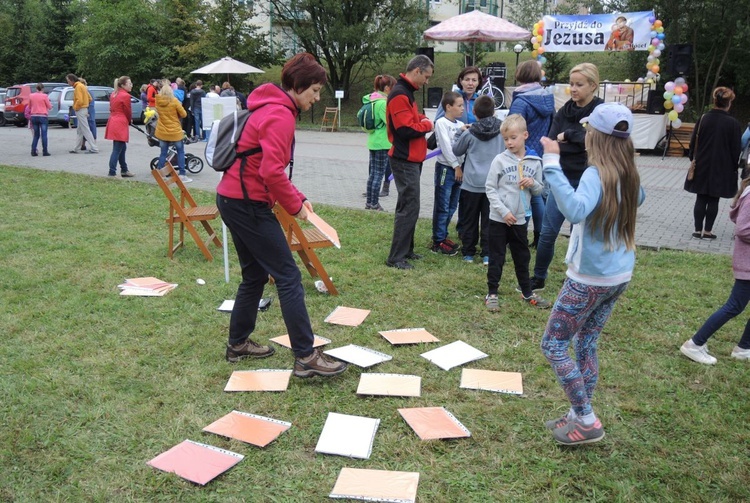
(695, 348)
(39, 107)
(245, 198)
(120, 116)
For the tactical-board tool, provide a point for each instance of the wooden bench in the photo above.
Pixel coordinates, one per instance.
(679, 140)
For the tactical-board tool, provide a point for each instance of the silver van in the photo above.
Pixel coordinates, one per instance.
(62, 99)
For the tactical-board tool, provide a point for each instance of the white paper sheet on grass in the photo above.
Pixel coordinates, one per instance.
(453, 354)
(358, 355)
(350, 436)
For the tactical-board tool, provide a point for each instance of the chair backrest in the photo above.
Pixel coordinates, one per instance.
(167, 179)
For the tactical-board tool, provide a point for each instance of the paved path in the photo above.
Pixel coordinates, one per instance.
(331, 168)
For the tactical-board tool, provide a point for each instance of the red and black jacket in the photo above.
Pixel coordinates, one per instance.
(406, 126)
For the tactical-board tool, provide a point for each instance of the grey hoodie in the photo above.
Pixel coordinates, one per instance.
(480, 143)
(503, 192)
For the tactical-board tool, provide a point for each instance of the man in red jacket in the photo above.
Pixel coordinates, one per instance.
(406, 131)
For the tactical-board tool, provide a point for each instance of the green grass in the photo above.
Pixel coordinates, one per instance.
(94, 385)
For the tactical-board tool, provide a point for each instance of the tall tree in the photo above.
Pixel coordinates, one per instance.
(347, 35)
(184, 29)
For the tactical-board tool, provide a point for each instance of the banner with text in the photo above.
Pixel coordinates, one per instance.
(629, 31)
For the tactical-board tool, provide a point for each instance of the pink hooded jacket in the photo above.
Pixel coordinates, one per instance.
(271, 126)
(740, 215)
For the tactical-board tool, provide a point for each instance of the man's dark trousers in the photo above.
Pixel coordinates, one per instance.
(406, 176)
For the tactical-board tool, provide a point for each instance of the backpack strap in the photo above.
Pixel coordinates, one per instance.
(243, 160)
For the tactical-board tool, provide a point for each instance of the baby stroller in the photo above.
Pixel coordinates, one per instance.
(193, 163)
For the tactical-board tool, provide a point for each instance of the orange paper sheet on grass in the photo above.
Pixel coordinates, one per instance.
(430, 423)
(408, 336)
(491, 380)
(283, 340)
(196, 462)
(249, 428)
(376, 485)
(389, 385)
(348, 316)
(259, 380)
(325, 228)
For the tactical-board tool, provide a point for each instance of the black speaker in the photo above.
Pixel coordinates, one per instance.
(498, 82)
(655, 103)
(680, 59)
(434, 97)
(427, 51)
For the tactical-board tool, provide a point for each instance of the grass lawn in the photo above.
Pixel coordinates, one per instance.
(94, 385)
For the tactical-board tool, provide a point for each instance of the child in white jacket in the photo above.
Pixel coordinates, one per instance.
(512, 179)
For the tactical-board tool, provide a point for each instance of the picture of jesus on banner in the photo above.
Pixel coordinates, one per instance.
(621, 38)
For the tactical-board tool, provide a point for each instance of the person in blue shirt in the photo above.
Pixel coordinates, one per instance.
(468, 82)
(600, 259)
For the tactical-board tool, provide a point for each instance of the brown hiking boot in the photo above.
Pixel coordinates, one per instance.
(318, 363)
(248, 349)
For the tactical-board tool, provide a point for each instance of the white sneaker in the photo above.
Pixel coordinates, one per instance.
(185, 179)
(741, 354)
(697, 353)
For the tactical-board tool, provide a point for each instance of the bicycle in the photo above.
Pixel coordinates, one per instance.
(497, 94)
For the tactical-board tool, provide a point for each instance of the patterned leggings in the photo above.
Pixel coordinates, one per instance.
(579, 314)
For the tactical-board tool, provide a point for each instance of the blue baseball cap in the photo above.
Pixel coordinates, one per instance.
(606, 116)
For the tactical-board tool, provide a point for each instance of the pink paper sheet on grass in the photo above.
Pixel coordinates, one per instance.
(376, 485)
(199, 463)
(259, 380)
(491, 380)
(283, 340)
(431, 423)
(348, 316)
(249, 428)
(323, 227)
(408, 336)
(389, 385)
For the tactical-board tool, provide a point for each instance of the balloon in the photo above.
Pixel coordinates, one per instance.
(679, 107)
(649, 75)
(627, 80)
(660, 29)
(651, 19)
(640, 80)
(653, 34)
(533, 54)
(672, 115)
(676, 99)
(668, 94)
(657, 23)
(543, 60)
(656, 61)
(656, 53)
(650, 58)
(661, 36)
(536, 25)
(651, 48)
(535, 46)
(655, 68)
(684, 87)
(655, 41)
(677, 123)
(668, 104)
(540, 50)
(660, 47)
(679, 81)
(678, 90)
(683, 98)
(669, 86)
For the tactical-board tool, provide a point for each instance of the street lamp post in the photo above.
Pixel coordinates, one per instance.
(518, 49)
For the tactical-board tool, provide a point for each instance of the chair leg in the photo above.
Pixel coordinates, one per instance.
(315, 267)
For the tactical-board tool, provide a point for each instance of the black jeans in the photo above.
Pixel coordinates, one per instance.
(516, 238)
(262, 250)
(706, 208)
(473, 223)
(406, 175)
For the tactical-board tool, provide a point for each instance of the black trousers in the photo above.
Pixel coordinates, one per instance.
(706, 208)
(514, 237)
(473, 222)
(406, 176)
(262, 250)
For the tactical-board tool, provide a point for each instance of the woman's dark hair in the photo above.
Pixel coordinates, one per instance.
(528, 72)
(302, 71)
(723, 97)
(484, 106)
(39, 87)
(466, 71)
(383, 81)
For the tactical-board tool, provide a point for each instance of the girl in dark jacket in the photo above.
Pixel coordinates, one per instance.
(715, 148)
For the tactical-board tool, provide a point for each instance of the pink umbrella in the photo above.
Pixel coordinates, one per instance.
(476, 26)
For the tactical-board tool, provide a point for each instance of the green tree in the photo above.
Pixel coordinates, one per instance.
(23, 55)
(184, 30)
(346, 36)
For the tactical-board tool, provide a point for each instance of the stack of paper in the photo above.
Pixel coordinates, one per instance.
(345, 435)
(146, 287)
(376, 485)
(199, 463)
(256, 430)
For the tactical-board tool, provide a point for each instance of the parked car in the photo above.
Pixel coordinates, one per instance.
(17, 97)
(2, 107)
(62, 101)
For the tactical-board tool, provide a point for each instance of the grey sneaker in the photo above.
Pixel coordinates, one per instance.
(492, 303)
(248, 349)
(319, 364)
(537, 301)
(554, 424)
(697, 353)
(575, 433)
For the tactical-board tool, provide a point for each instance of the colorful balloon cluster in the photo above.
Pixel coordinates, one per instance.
(655, 48)
(675, 97)
(537, 33)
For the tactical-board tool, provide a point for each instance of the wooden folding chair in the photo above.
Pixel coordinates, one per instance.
(330, 118)
(184, 211)
(304, 243)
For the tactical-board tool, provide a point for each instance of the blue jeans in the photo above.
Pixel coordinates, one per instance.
(545, 248)
(447, 190)
(537, 212)
(40, 130)
(198, 123)
(180, 154)
(733, 307)
(262, 250)
(118, 154)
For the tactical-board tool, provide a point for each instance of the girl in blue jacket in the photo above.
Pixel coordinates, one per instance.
(600, 259)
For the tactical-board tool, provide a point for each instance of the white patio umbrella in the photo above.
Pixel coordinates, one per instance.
(476, 26)
(227, 65)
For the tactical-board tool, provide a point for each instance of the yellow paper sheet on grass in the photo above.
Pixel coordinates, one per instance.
(389, 385)
(408, 336)
(491, 380)
(249, 428)
(283, 340)
(259, 380)
(348, 316)
(376, 485)
(431, 423)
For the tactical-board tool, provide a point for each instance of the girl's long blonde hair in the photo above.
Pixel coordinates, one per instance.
(615, 159)
(743, 185)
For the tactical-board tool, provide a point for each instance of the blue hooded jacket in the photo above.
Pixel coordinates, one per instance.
(537, 106)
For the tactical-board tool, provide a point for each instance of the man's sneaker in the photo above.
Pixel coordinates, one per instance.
(536, 301)
(450, 243)
(248, 349)
(469, 259)
(492, 303)
(575, 433)
(697, 353)
(537, 285)
(74, 151)
(741, 354)
(554, 424)
(444, 248)
(185, 179)
(319, 364)
(485, 261)
(403, 264)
